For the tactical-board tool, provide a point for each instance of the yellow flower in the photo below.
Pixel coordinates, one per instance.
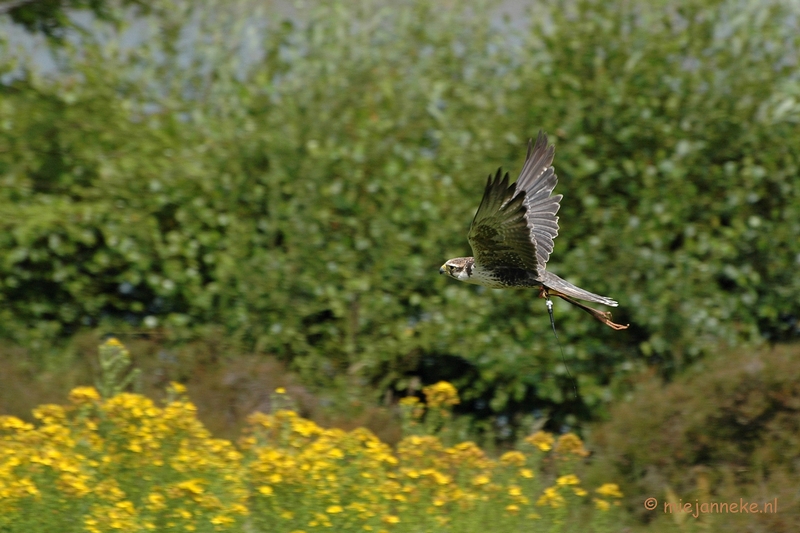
(49, 413)
(571, 443)
(513, 509)
(542, 440)
(527, 473)
(409, 401)
(442, 393)
(239, 508)
(334, 509)
(125, 506)
(112, 341)
(222, 520)
(81, 395)
(73, 484)
(192, 486)
(12, 422)
(28, 487)
(157, 501)
(178, 388)
(569, 479)
(601, 504)
(280, 390)
(265, 490)
(335, 453)
(551, 497)
(514, 491)
(91, 525)
(609, 489)
(391, 519)
(481, 479)
(513, 458)
(441, 479)
(579, 492)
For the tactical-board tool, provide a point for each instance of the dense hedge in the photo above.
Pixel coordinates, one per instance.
(303, 198)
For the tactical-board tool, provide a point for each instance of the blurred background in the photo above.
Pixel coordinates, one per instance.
(253, 194)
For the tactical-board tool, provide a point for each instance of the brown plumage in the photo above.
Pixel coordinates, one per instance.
(512, 235)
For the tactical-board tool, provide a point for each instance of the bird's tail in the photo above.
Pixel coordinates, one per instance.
(555, 286)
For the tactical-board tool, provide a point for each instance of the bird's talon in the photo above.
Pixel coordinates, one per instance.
(543, 293)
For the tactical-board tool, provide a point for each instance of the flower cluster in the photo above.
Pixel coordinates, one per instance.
(305, 477)
(124, 463)
(442, 393)
(121, 464)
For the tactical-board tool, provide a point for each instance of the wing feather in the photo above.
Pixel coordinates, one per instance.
(515, 224)
(537, 181)
(499, 234)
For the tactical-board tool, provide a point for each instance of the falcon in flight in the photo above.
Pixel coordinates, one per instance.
(512, 236)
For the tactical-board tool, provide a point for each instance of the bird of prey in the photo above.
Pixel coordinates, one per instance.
(512, 236)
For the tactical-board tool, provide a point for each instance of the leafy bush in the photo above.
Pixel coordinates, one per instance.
(728, 430)
(303, 197)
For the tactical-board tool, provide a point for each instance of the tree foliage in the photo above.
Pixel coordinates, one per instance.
(303, 194)
(51, 17)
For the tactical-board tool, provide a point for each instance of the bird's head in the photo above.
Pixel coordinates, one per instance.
(459, 268)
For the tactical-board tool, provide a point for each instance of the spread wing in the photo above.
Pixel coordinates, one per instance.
(515, 225)
(499, 233)
(537, 180)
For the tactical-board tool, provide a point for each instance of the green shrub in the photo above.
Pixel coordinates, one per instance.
(304, 200)
(727, 430)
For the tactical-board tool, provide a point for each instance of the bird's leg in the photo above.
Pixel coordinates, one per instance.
(549, 303)
(543, 293)
(602, 316)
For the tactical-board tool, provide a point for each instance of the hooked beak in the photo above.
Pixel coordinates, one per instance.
(442, 269)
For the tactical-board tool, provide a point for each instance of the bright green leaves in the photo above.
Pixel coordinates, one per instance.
(304, 201)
